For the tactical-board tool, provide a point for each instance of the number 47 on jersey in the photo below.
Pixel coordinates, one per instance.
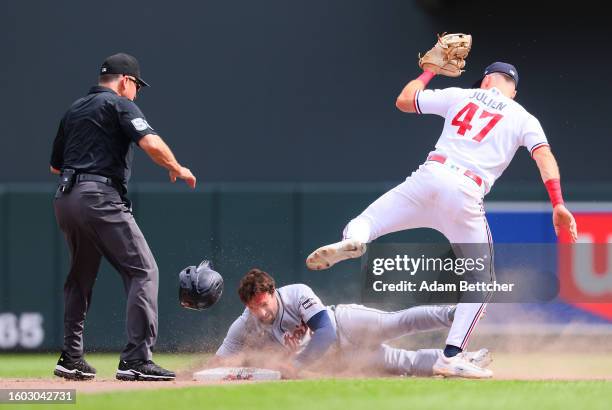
(464, 118)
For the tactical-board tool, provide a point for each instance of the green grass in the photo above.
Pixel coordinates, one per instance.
(343, 394)
(366, 394)
(38, 365)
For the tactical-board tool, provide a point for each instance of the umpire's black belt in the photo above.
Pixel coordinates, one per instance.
(95, 178)
(107, 181)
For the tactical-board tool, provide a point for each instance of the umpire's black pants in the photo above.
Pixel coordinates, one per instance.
(96, 222)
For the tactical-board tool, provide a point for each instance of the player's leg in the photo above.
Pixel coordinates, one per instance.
(363, 329)
(363, 326)
(419, 362)
(467, 229)
(407, 362)
(414, 320)
(404, 207)
(468, 314)
(398, 209)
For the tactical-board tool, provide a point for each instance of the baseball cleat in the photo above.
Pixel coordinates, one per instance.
(328, 255)
(481, 358)
(459, 366)
(142, 370)
(73, 368)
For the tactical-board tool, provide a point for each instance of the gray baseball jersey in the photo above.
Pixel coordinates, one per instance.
(296, 305)
(361, 331)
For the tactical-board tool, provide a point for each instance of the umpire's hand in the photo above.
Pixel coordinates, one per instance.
(183, 173)
(161, 154)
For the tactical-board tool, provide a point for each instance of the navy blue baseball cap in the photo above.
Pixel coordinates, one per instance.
(499, 67)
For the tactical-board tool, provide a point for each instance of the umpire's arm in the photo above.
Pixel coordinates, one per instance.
(161, 154)
(57, 155)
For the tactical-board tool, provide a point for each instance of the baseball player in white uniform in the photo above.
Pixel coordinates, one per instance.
(483, 128)
(293, 320)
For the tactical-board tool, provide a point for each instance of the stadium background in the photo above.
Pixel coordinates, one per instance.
(285, 112)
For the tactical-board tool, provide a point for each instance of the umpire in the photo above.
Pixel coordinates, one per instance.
(93, 153)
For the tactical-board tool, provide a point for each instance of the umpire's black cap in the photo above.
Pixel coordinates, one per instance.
(122, 63)
(499, 67)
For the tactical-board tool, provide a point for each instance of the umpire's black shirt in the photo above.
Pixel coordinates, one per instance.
(95, 136)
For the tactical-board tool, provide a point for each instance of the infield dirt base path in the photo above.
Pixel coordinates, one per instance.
(505, 366)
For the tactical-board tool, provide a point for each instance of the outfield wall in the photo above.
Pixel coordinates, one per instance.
(238, 226)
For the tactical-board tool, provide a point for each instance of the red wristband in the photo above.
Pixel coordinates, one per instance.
(426, 77)
(553, 186)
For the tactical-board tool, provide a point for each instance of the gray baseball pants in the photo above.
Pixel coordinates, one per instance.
(362, 332)
(97, 222)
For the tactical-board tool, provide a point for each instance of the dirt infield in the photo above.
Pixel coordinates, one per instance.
(93, 386)
(506, 366)
(542, 366)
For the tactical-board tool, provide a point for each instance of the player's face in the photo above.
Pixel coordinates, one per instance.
(264, 307)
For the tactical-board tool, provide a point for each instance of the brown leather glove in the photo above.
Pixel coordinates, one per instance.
(447, 57)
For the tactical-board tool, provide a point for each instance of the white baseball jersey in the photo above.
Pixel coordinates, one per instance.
(482, 129)
(296, 305)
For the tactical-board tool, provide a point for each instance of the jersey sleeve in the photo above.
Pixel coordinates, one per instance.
(236, 336)
(438, 101)
(323, 338)
(533, 136)
(309, 304)
(132, 121)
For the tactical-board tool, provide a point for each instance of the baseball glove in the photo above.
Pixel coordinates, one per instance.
(447, 57)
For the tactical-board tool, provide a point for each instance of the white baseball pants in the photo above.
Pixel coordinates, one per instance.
(435, 197)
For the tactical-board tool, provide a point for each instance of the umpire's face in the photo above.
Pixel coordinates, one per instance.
(128, 87)
(264, 307)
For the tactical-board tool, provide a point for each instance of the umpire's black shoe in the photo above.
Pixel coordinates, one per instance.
(144, 370)
(73, 368)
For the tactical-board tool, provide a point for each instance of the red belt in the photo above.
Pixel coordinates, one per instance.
(472, 175)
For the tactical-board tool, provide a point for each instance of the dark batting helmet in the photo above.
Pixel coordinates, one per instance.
(199, 287)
